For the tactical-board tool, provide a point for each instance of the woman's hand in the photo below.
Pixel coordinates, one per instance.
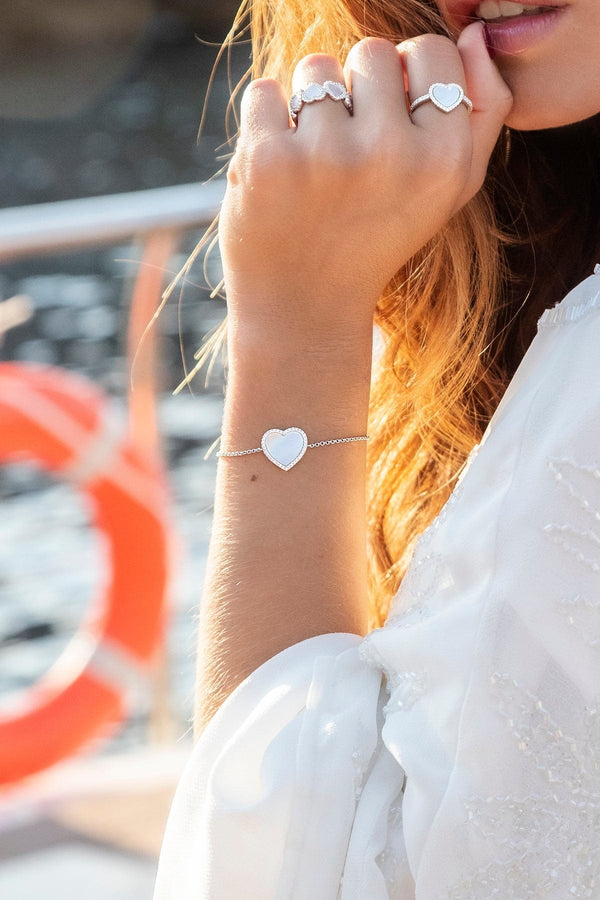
(318, 218)
(315, 222)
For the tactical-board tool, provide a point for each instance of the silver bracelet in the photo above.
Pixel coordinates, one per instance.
(285, 447)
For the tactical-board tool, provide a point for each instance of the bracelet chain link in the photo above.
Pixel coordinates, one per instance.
(345, 440)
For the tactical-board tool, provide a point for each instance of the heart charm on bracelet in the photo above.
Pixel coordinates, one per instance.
(284, 448)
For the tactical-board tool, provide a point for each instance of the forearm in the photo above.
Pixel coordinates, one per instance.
(345, 202)
(287, 557)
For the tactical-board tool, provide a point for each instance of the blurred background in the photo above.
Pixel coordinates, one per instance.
(105, 190)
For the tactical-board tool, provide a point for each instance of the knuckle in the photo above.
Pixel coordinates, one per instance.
(260, 95)
(259, 88)
(371, 45)
(316, 59)
(262, 84)
(383, 153)
(448, 158)
(430, 45)
(309, 66)
(260, 163)
(329, 160)
(370, 52)
(233, 171)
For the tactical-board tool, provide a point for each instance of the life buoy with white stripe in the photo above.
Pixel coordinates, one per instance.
(62, 423)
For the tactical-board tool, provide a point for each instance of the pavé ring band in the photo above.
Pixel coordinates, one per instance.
(445, 96)
(313, 93)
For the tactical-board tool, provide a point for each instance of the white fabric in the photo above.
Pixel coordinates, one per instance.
(454, 753)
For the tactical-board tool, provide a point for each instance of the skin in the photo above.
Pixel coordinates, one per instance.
(315, 222)
(337, 178)
(556, 81)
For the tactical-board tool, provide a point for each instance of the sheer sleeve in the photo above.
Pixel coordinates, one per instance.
(275, 781)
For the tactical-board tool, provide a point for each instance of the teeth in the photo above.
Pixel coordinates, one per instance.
(510, 9)
(503, 9)
(488, 9)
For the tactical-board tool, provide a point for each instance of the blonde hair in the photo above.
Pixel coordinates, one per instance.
(446, 318)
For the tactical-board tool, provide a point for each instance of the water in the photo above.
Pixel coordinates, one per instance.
(140, 133)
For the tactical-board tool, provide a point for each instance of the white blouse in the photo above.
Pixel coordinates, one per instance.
(455, 752)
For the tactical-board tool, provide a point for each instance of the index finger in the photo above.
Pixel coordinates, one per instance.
(492, 99)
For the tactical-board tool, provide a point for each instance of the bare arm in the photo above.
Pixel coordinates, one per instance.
(287, 558)
(314, 224)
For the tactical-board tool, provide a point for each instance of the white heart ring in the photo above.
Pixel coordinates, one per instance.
(314, 92)
(445, 96)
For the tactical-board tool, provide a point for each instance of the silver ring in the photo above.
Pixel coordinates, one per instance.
(316, 92)
(445, 96)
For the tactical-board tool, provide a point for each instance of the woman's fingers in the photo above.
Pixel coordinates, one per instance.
(263, 117)
(371, 189)
(492, 99)
(433, 59)
(373, 70)
(467, 138)
(321, 114)
(264, 109)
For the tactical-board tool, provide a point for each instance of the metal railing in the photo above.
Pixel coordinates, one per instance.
(157, 218)
(71, 224)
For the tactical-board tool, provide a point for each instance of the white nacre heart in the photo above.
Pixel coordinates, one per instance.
(335, 90)
(313, 93)
(446, 96)
(284, 447)
(296, 103)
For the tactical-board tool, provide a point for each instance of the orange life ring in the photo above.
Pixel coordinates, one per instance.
(61, 422)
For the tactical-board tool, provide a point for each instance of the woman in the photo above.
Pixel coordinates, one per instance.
(453, 752)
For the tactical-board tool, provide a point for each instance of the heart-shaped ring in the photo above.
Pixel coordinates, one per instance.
(315, 92)
(284, 447)
(445, 96)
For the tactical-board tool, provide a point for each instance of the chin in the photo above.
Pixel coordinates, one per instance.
(527, 119)
(533, 109)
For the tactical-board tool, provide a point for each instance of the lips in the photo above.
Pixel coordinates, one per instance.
(462, 12)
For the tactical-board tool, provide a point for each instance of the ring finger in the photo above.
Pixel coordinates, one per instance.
(434, 60)
(313, 117)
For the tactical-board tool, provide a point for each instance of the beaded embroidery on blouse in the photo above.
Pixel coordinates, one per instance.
(582, 482)
(583, 615)
(543, 841)
(546, 841)
(389, 861)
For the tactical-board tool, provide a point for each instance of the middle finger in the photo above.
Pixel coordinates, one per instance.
(432, 59)
(374, 71)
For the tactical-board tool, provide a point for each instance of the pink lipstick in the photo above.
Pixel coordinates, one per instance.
(520, 33)
(511, 26)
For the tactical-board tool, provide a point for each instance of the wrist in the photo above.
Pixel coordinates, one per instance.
(323, 389)
(345, 350)
(302, 320)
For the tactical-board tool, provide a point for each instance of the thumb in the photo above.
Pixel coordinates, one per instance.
(492, 99)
